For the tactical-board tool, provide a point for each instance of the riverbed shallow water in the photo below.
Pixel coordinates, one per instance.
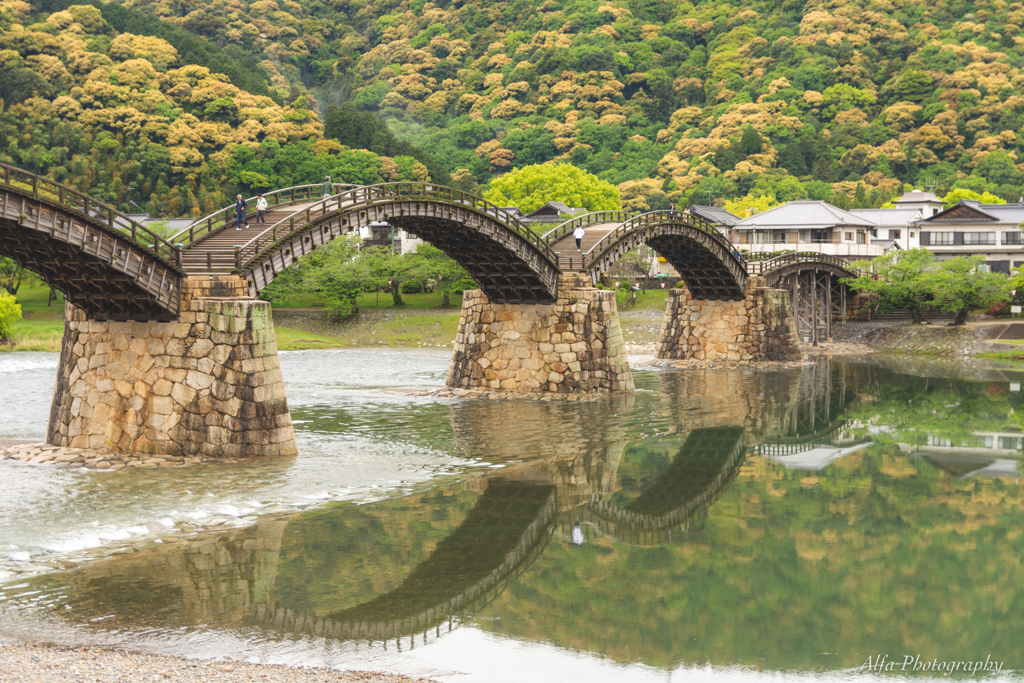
(730, 523)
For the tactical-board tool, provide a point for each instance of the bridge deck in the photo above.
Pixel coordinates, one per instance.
(570, 258)
(214, 254)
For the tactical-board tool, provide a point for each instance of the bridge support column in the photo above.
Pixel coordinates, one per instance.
(206, 384)
(571, 346)
(760, 327)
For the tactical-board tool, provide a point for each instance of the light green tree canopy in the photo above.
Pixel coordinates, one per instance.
(897, 278)
(10, 313)
(530, 187)
(755, 204)
(959, 193)
(965, 284)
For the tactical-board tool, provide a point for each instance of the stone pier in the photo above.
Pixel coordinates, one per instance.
(571, 346)
(760, 327)
(206, 384)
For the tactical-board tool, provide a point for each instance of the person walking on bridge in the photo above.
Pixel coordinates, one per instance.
(328, 190)
(578, 233)
(261, 208)
(240, 207)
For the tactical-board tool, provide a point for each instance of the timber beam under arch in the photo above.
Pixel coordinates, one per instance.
(703, 257)
(103, 262)
(510, 262)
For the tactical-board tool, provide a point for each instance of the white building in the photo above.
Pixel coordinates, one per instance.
(807, 226)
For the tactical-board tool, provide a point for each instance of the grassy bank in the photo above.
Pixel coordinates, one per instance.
(303, 323)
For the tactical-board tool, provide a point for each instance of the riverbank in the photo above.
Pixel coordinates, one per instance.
(28, 662)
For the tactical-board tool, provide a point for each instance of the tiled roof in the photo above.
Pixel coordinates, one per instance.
(804, 215)
(716, 215)
(967, 213)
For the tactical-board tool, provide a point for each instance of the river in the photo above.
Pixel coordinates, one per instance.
(718, 524)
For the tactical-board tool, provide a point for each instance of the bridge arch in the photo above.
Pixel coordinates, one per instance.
(814, 281)
(510, 262)
(704, 258)
(103, 262)
(702, 469)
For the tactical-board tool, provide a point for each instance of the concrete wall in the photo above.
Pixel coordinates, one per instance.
(207, 384)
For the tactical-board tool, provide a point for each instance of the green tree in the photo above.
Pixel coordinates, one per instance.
(436, 266)
(386, 268)
(964, 284)
(12, 276)
(954, 196)
(898, 279)
(10, 313)
(336, 270)
(530, 187)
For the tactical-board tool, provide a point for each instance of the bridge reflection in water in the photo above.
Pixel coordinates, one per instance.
(407, 570)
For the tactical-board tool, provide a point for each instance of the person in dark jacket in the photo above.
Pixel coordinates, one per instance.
(240, 207)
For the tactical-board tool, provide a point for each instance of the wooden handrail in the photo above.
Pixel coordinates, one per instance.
(367, 195)
(70, 199)
(645, 220)
(222, 218)
(563, 229)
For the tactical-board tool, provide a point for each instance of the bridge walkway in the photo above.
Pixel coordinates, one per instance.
(214, 253)
(569, 258)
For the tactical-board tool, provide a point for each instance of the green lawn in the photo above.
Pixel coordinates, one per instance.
(41, 326)
(413, 302)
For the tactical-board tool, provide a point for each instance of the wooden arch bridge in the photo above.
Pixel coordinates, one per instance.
(116, 269)
(537, 327)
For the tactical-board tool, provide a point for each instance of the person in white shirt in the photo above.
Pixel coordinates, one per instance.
(261, 207)
(578, 233)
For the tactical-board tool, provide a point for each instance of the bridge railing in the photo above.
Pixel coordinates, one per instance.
(644, 220)
(224, 218)
(70, 199)
(765, 266)
(595, 217)
(367, 195)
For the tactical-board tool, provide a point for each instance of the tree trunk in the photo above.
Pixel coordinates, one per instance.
(445, 302)
(396, 293)
(961, 317)
(915, 311)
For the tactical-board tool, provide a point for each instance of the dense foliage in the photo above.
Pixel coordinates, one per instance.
(672, 101)
(10, 313)
(913, 278)
(666, 98)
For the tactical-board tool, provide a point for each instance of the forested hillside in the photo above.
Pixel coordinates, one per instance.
(669, 100)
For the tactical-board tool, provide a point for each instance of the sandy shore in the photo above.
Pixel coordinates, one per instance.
(36, 663)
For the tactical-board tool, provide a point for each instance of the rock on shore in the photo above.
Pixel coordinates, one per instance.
(34, 663)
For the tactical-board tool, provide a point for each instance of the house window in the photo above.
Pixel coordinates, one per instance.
(778, 236)
(849, 237)
(861, 237)
(1011, 237)
(894, 234)
(1011, 443)
(820, 236)
(979, 238)
(939, 239)
(911, 234)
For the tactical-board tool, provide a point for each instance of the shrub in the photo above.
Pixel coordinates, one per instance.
(463, 285)
(680, 285)
(10, 313)
(411, 287)
(999, 308)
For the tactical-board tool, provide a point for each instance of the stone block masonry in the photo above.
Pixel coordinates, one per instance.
(760, 327)
(573, 346)
(208, 384)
